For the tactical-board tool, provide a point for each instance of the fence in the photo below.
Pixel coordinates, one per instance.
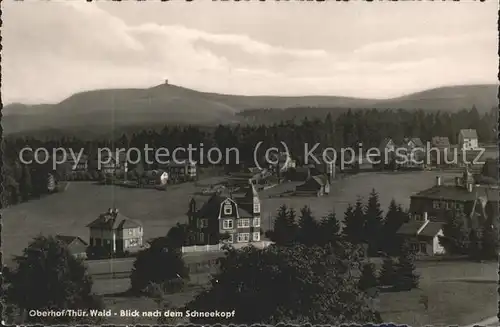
(218, 247)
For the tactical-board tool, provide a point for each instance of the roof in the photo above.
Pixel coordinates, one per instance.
(440, 141)
(452, 192)
(172, 164)
(153, 174)
(113, 221)
(69, 239)
(211, 207)
(320, 179)
(410, 228)
(468, 133)
(432, 228)
(417, 141)
(384, 142)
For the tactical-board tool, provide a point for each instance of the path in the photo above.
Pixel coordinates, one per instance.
(490, 322)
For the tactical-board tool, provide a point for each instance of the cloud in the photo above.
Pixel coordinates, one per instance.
(54, 49)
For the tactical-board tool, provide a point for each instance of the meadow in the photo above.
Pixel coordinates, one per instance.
(70, 211)
(459, 292)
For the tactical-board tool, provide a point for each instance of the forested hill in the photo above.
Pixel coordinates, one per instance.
(170, 104)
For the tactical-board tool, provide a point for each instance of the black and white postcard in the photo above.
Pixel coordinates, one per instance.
(250, 162)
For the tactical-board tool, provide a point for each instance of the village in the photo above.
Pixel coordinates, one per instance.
(133, 206)
(240, 194)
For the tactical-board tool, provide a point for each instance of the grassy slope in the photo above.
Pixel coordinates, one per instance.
(459, 293)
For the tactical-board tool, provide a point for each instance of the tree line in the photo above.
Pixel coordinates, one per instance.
(363, 224)
(348, 128)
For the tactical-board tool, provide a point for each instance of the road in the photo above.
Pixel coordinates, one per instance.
(124, 265)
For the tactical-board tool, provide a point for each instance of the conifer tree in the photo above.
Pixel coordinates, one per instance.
(354, 223)
(387, 272)
(373, 223)
(329, 229)
(406, 277)
(368, 279)
(308, 227)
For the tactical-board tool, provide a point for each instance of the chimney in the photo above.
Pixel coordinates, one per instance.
(469, 187)
(438, 180)
(426, 221)
(110, 210)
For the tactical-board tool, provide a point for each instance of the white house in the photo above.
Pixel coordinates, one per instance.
(468, 140)
(423, 235)
(116, 233)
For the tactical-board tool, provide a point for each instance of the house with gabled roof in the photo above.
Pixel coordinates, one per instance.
(423, 235)
(116, 233)
(387, 154)
(414, 154)
(76, 246)
(224, 215)
(479, 203)
(468, 139)
(317, 185)
(440, 152)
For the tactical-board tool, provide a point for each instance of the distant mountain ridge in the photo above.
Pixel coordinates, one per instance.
(174, 104)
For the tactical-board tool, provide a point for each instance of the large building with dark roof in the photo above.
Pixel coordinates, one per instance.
(476, 201)
(223, 214)
(429, 209)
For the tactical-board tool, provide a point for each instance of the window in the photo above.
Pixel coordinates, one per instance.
(417, 217)
(231, 238)
(203, 223)
(243, 223)
(201, 237)
(243, 237)
(130, 232)
(256, 207)
(228, 209)
(256, 222)
(449, 205)
(133, 242)
(256, 236)
(435, 204)
(423, 248)
(227, 224)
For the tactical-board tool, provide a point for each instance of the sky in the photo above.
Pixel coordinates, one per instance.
(54, 49)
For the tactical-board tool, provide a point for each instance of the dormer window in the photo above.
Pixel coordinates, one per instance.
(228, 209)
(256, 207)
(203, 223)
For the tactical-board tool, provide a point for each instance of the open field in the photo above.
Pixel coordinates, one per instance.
(399, 185)
(70, 211)
(459, 293)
